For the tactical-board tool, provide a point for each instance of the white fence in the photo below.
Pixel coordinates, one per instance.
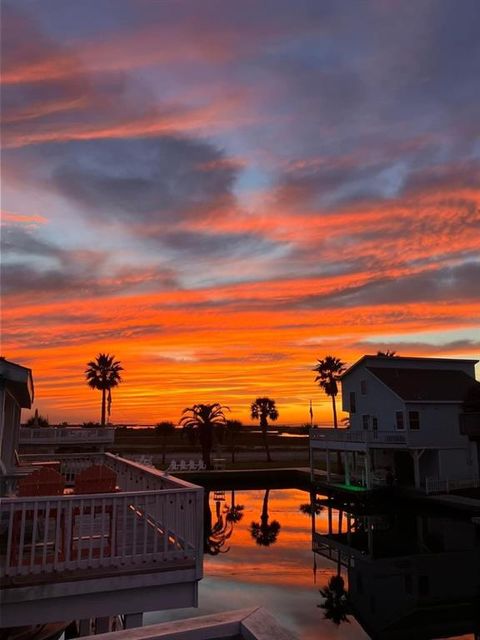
(66, 435)
(349, 435)
(152, 521)
(434, 485)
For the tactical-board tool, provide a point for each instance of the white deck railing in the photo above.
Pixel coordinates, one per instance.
(435, 485)
(66, 435)
(153, 521)
(349, 435)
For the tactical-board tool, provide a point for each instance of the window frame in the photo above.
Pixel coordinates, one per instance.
(416, 421)
(353, 405)
(398, 422)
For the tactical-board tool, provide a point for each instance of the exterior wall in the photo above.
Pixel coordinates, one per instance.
(440, 420)
(378, 402)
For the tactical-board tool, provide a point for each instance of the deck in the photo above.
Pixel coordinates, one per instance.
(152, 524)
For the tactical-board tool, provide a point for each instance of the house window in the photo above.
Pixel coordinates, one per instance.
(366, 421)
(363, 387)
(374, 423)
(353, 402)
(414, 420)
(399, 420)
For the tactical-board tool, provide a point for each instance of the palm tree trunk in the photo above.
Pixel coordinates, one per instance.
(104, 395)
(232, 442)
(334, 408)
(265, 442)
(264, 516)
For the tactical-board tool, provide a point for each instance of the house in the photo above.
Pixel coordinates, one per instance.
(405, 419)
(90, 537)
(410, 574)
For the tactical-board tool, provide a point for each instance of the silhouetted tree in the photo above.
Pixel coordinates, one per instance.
(309, 508)
(37, 420)
(233, 427)
(164, 429)
(199, 422)
(215, 535)
(264, 409)
(329, 371)
(387, 354)
(234, 511)
(104, 374)
(264, 532)
(335, 605)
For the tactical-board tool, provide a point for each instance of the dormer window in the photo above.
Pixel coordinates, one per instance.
(363, 387)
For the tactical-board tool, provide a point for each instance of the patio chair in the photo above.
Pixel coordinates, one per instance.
(26, 531)
(192, 465)
(201, 465)
(92, 480)
(183, 466)
(172, 466)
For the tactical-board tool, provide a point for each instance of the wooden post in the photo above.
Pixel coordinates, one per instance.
(327, 452)
(347, 468)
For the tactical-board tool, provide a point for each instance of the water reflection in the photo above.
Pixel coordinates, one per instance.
(409, 574)
(264, 532)
(401, 575)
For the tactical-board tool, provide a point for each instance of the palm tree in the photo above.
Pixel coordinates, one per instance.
(387, 354)
(104, 374)
(199, 422)
(264, 409)
(329, 371)
(336, 600)
(215, 535)
(233, 427)
(263, 532)
(311, 508)
(235, 511)
(164, 429)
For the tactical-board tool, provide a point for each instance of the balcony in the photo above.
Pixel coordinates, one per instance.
(66, 435)
(344, 436)
(58, 551)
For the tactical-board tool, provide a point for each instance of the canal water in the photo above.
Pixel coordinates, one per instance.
(404, 575)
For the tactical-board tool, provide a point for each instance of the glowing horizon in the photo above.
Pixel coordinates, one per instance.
(221, 195)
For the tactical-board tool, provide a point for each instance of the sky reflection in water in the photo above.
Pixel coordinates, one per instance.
(279, 577)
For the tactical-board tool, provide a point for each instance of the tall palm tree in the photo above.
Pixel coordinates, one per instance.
(387, 354)
(103, 373)
(200, 421)
(264, 409)
(164, 429)
(329, 371)
(335, 605)
(264, 532)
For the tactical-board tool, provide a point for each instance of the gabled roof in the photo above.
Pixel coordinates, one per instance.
(404, 359)
(426, 385)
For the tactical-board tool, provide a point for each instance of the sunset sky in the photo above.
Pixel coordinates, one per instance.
(222, 192)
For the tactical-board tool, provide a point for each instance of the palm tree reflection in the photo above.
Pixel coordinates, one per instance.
(335, 605)
(264, 532)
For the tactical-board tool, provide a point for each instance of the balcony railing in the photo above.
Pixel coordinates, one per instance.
(66, 435)
(348, 435)
(151, 522)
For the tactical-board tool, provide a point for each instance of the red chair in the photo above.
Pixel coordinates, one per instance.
(93, 480)
(26, 530)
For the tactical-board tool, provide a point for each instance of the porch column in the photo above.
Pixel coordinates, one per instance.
(327, 453)
(417, 454)
(367, 468)
(347, 468)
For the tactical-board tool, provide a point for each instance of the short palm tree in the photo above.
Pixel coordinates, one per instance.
(164, 429)
(233, 427)
(387, 354)
(235, 511)
(216, 535)
(103, 373)
(199, 421)
(335, 604)
(264, 409)
(264, 532)
(329, 371)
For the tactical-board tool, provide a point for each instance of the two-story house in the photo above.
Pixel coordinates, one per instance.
(404, 423)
